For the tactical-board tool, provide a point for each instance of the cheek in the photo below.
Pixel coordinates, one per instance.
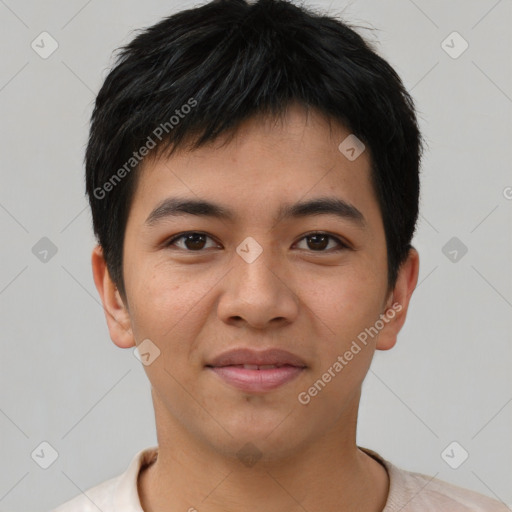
(158, 299)
(170, 305)
(343, 308)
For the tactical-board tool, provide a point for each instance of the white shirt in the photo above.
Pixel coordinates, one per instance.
(408, 492)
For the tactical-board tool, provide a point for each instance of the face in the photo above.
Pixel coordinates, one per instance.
(258, 278)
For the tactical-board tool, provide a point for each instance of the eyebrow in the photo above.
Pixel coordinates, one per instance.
(176, 207)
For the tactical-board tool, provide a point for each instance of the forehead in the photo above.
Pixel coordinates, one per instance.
(268, 163)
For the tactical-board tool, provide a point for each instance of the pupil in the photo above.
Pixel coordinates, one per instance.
(316, 244)
(194, 241)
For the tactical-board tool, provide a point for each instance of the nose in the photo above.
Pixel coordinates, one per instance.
(259, 292)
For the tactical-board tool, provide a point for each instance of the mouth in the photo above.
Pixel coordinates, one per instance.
(256, 371)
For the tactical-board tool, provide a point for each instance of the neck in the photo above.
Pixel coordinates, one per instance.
(331, 474)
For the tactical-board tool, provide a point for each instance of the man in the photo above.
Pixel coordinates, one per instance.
(253, 174)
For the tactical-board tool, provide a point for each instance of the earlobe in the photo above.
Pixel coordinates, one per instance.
(116, 313)
(398, 303)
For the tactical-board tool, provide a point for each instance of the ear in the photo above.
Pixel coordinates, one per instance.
(116, 313)
(398, 302)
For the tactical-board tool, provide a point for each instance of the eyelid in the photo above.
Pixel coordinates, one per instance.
(176, 237)
(343, 245)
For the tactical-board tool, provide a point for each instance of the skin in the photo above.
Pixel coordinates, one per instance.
(194, 305)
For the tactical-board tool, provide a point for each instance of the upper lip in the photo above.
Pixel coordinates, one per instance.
(241, 356)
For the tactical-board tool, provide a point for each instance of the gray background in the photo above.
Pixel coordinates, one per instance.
(64, 382)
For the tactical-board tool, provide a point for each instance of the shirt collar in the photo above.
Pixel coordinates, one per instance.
(126, 495)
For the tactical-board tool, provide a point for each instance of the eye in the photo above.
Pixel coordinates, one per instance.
(192, 240)
(318, 242)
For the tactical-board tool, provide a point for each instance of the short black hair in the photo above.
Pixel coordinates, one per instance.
(200, 73)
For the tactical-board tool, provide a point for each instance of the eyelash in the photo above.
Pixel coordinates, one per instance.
(342, 245)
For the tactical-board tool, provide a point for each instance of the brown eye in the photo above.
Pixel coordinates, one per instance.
(191, 241)
(320, 241)
(195, 242)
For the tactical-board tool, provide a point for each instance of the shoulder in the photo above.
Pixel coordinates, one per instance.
(116, 494)
(423, 492)
(97, 497)
(416, 492)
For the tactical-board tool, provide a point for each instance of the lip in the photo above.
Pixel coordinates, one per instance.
(241, 368)
(273, 356)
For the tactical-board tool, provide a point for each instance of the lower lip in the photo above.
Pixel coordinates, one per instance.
(255, 381)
